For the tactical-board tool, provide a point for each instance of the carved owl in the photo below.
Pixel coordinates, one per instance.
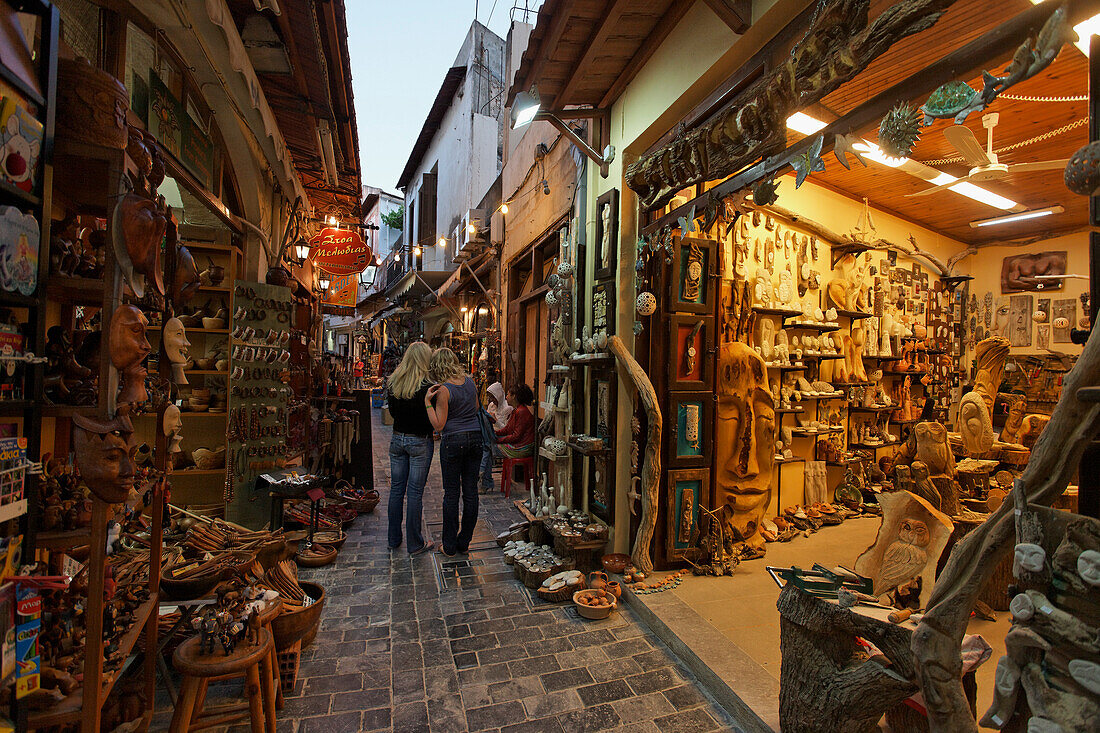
(905, 558)
(933, 449)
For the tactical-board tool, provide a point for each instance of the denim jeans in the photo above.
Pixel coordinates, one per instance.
(460, 463)
(487, 468)
(410, 458)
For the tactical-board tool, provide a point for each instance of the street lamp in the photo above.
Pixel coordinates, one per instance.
(526, 106)
(301, 251)
(323, 281)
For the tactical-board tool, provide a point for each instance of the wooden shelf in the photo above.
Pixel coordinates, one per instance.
(788, 411)
(874, 410)
(126, 644)
(909, 373)
(68, 410)
(905, 422)
(220, 331)
(785, 367)
(819, 327)
(198, 472)
(62, 540)
(795, 459)
(588, 451)
(854, 315)
(865, 446)
(552, 456)
(585, 359)
(783, 312)
(846, 463)
(823, 357)
(25, 198)
(195, 246)
(811, 432)
(833, 396)
(76, 290)
(215, 289)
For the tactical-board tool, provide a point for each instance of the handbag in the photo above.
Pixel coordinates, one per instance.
(485, 420)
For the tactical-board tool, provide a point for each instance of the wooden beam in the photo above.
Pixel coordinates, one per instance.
(546, 46)
(737, 14)
(1003, 39)
(592, 51)
(668, 21)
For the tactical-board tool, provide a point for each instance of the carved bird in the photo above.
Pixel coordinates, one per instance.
(905, 558)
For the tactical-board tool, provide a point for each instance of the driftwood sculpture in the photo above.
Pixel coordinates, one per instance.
(1055, 458)
(838, 46)
(651, 465)
(976, 407)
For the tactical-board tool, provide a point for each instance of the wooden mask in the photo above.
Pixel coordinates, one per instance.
(104, 455)
(137, 230)
(186, 282)
(128, 347)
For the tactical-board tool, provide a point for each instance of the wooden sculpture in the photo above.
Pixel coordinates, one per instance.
(651, 466)
(128, 347)
(910, 539)
(175, 341)
(1012, 432)
(976, 407)
(1054, 459)
(854, 354)
(173, 428)
(186, 281)
(744, 444)
(104, 450)
(138, 231)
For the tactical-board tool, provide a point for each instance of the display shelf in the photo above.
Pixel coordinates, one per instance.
(553, 408)
(813, 432)
(126, 644)
(793, 459)
(847, 248)
(904, 373)
(824, 397)
(846, 385)
(74, 290)
(13, 510)
(868, 446)
(823, 357)
(853, 315)
(789, 411)
(782, 312)
(552, 456)
(881, 358)
(195, 246)
(591, 359)
(64, 539)
(785, 367)
(26, 198)
(819, 327)
(215, 289)
(199, 472)
(846, 462)
(219, 331)
(587, 451)
(873, 410)
(904, 422)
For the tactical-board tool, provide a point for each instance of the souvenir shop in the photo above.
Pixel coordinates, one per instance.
(161, 308)
(852, 319)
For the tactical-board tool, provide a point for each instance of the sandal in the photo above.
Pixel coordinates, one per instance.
(427, 547)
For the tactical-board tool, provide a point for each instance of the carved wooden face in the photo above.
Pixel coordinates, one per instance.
(914, 532)
(175, 341)
(105, 459)
(142, 227)
(128, 345)
(745, 438)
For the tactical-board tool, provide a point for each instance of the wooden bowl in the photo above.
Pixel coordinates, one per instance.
(188, 589)
(615, 562)
(292, 625)
(331, 539)
(591, 612)
(316, 559)
(271, 553)
(293, 538)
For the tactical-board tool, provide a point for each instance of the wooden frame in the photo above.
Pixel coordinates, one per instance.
(681, 451)
(605, 261)
(677, 279)
(701, 377)
(601, 386)
(603, 307)
(680, 539)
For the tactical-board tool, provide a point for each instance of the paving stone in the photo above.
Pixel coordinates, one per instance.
(515, 689)
(687, 721)
(602, 692)
(411, 716)
(343, 701)
(552, 703)
(566, 678)
(350, 722)
(654, 681)
(334, 683)
(647, 707)
(684, 696)
(546, 725)
(377, 719)
(408, 685)
(600, 717)
(536, 665)
(494, 716)
(614, 669)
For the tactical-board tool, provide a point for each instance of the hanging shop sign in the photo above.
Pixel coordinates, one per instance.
(165, 115)
(340, 252)
(343, 291)
(196, 152)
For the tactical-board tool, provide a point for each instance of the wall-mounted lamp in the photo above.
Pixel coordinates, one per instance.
(504, 208)
(323, 281)
(527, 108)
(442, 242)
(301, 251)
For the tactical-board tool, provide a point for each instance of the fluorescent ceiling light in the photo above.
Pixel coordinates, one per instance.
(1033, 214)
(1084, 29)
(803, 123)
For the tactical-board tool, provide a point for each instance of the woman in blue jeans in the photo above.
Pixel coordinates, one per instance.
(453, 407)
(411, 448)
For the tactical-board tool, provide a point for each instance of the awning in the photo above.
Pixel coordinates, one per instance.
(459, 277)
(417, 282)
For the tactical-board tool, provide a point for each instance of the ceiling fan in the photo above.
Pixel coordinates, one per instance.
(985, 166)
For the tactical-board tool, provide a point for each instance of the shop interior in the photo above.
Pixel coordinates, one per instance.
(872, 278)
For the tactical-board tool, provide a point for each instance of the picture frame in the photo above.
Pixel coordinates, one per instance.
(686, 491)
(606, 249)
(601, 486)
(603, 307)
(691, 430)
(683, 373)
(692, 289)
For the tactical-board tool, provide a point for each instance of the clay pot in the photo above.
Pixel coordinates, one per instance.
(614, 588)
(615, 562)
(214, 274)
(597, 580)
(278, 276)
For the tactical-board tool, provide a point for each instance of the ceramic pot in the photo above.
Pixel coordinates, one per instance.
(614, 588)
(214, 274)
(597, 580)
(278, 276)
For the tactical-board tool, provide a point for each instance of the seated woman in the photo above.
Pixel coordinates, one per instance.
(518, 438)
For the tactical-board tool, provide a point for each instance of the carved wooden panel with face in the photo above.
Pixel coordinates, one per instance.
(104, 456)
(745, 439)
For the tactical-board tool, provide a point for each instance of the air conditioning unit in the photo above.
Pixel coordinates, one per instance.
(474, 231)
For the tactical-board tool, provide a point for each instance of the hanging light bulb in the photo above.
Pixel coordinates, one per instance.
(417, 251)
(504, 208)
(442, 242)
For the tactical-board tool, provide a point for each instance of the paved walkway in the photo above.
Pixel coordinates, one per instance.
(439, 644)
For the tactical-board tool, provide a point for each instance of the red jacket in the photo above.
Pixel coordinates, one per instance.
(520, 428)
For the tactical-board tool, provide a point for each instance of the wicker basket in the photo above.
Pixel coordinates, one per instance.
(519, 534)
(562, 594)
(533, 579)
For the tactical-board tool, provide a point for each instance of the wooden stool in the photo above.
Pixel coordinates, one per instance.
(251, 661)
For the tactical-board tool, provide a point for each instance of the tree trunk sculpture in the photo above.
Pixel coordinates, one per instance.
(1054, 459)
(651, 465)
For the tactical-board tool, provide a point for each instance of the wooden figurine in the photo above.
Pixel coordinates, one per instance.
(63, 372)
(1012, 432)
(173, 428)
(103, 456)
(186, 281)
(910, 539)
(745, 440)
(976, 408)
(128, 346)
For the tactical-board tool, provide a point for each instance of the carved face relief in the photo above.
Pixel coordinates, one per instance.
(933, 449)
(140, 226)
(104, 456)
(1086, 674)
(1008, 674)
(1088, 567)
(128, 347)
(1021, 607)
(745, 436)
(1030, 557)
(975, 425)
(914, 532)
(175, 341)
(173, 428)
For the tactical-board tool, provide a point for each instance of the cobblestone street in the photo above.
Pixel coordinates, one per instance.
(440, 644)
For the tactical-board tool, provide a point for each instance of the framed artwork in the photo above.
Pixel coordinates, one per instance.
(692, 283)
(601, 487)
(691, 436)
(691, 365)
(603, 406)
(1064, 308)
(607, 233)
(1018, 329)
(1018, 271)
(603, 307)
(686, 489)
(1042, 336)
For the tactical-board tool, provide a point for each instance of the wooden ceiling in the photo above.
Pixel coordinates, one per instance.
(318, 87)
(946, 211)
(585, 52)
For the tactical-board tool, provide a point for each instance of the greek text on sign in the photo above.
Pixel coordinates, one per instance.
(340, 251)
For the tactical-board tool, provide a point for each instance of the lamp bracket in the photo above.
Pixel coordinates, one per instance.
(603, 160)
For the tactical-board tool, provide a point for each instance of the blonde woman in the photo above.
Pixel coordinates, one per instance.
(411, 448)
(453, 408)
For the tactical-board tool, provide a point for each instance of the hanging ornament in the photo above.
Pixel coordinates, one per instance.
(687, 223)
(899, 131)
(1082, 174)
(947, 101)
(807, 163)
(551, 298)
(843, 147)
(565, 269)
(645, 304)
(764, 192)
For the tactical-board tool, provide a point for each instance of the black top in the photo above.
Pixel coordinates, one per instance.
(410, 416)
